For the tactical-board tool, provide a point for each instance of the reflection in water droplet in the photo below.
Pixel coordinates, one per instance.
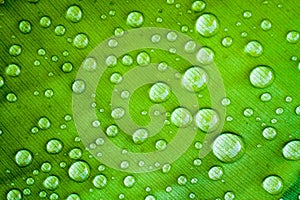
(181, 117)
(79, 171)
(261, 76)
(207, 119)
(60, 30)
(207, 25)
(291, 151)
(135, 19)
(273, 184)
(254, 49)
(228, 147)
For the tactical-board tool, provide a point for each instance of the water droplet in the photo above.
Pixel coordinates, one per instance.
(112, 131)
(229, 195)
(116, 78)
(266, 24)
(248, 112)
(265, 97)
(140, 136)
(198, 6)
(197, 162)
(29, 181)
(49, 93)
(54, 146)
(73, 197)
(207, 119)
(15, 50)
(155, 38)
(81, 41)
(172, 36)
(143, 58)
(1, 81)
(11, 97)
(194, 79)
(129, 181)
(247, 14)
(190, 46)
(67, 67)
(182, 180)
(205, 55)
(25, 26)
(23, 158)
(297, 110)
(150, 197)
(227, 41)
(74, 13)
(228, 147)
(292, 37)
(291, 151)
(159, 92)
(166, 168)
(254, 49)
(100, 181)
(45, 21)
(51, 182)
(269, 133)
(117, 113)
(127, 60)
(75, 153)
(46, 167)
(207, 25)
(14, 194)
(78, 86)
(181, 117)
(60, 30)
(79, 171)
(90, 64)
(44, 123)
(215, 173)
(273, 184)
(261, 76)
(161, 144)
(135, 19)
(13, 70)
(111, 61)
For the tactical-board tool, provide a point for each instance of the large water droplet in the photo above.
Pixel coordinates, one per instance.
(198, 6)
(291, 150)
(79, 171)
(14, 194)
(181, 117)
(254, 49)
(54, 146)
(261, 76)
(194, 79)
(15, 50)
(207, 119)
(292, 37)
(129, 181)
(140, 136)
(205, 55)
(135, 19)
(228, 147)
(269, 133)
(44, 123)
(81, 41)
(51, 182)
(74, 13)
(45, 21)
(143, 58)
(273, 184)
(78, 86)
(207, 25)
(25, 26)
(60, 30)
(100, 181)
(23, 158)
(13, 70)
(159, 92)
(266, 24)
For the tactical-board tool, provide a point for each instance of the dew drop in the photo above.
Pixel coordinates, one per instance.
(198, 6)
(292, 37)
(207, 119)
(60, 30)
(140, 136)
(135, 19)
(269, 133)
(228, 147)
(90, 64)
(74, 13)
(14, 194)
(254, 49)
(205, 55)
(273, 184)
(181, 117)
(79, 171)
(15, 50)
(143, 58)
(78, 86)
(159, 92)
(51, 182)
(25, 26)
(291, 151)
(207, 25)
(23, 158)
(215, 173)
(129, 181)
(13, 70)
(261, 76)
(45, 21)
(266, 24)
(81, 41)
(100, 181)
(194, 79)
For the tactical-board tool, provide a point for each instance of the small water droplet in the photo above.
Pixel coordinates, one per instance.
(269, 133)
(198, 6)
(74, 13)
(135, 19)
(60, 30)
(78, 86)
(81, 41)
(25, 26)
(79, 171)
(266, 24)
(292, 37)
(181, 117)
(207, 25)
(45, 21)
(215, 173)
(51, 182)
(159, 92)
(129, 181)
(273, 184)
(261, 76)
(140, 136)
(13, 70)
(207, 119)
(23, 158)
(254, 48)
(291, 151)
